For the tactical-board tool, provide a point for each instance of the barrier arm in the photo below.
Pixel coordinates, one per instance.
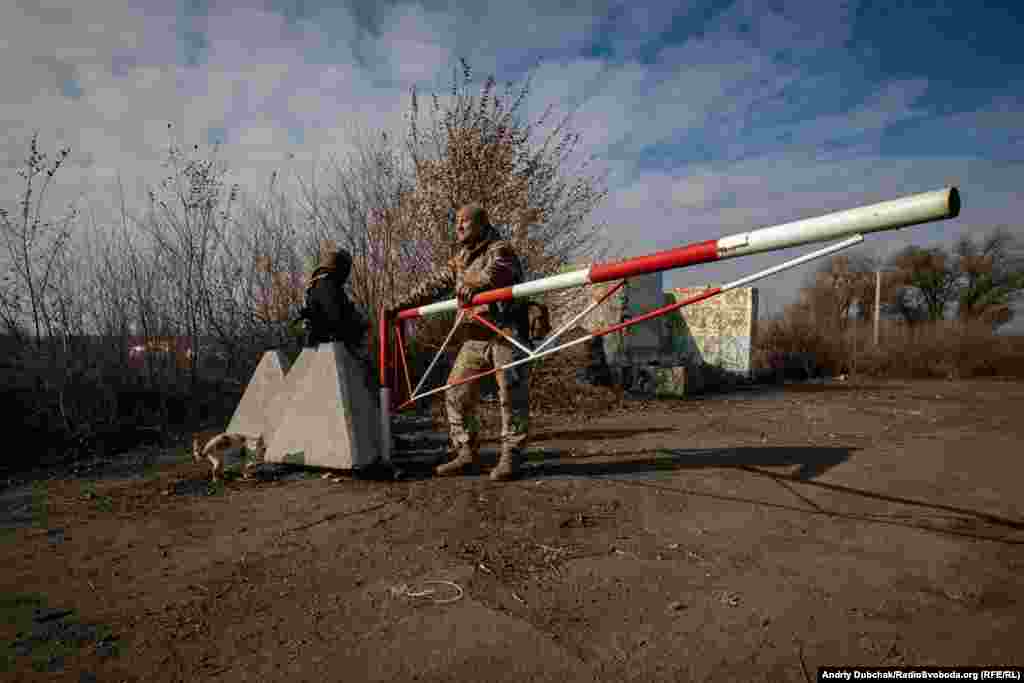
(852, 223)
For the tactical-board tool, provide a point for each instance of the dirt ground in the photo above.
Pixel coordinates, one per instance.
(753, 537)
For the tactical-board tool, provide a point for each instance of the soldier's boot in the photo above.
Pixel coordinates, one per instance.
(465, 457)
(508, 466)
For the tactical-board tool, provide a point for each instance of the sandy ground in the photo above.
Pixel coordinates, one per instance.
(754, 538)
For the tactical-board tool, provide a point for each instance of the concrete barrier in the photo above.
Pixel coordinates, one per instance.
(250, 416)
(328, 417)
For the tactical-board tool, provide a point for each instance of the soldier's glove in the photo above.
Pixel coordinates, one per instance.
(470, 285)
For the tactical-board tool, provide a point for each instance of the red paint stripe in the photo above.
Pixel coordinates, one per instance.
(400, 341)
(691, 254)
(485, 322)
(489, 297)
(382, 348)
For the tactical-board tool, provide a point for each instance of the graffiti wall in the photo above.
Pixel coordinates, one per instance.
(719, 331)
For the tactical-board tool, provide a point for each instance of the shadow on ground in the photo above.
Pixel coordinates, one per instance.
(541, 463)
(813, 461)
(592, 434)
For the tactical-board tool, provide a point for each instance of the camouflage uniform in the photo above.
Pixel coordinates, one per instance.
(489, 263)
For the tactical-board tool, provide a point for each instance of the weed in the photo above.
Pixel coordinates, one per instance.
(101, 502)
(46, 639)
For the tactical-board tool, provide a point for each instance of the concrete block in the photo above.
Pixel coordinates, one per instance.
(640, 344)
(279, 403)
(718, 331)
(250, 416)
(678, 381)
(331, 418)
(670, 381)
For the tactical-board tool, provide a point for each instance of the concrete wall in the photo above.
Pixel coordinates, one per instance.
(640, 344)
(719, 331)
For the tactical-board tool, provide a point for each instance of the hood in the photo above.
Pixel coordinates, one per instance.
(488, 233)
(338, 263)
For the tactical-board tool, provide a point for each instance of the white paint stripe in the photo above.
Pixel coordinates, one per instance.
(548, 284)
(856, 239)
(458, 321)
(563, 328)
(890, 215)
(552, 283)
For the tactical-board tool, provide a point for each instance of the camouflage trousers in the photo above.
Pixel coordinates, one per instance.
(513, 393)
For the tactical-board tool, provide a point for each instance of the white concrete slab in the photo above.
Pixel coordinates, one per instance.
(277, 405)
(250, 416)
(330, 418)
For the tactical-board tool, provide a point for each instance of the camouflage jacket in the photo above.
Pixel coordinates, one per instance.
(490, 263)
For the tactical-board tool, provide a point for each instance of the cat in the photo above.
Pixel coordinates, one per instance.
(223, 446)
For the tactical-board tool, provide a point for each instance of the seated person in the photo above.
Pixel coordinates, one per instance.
(329, 313)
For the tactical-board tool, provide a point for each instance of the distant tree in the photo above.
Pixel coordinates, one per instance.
(922, 284)
(842, 286)
(991, 274)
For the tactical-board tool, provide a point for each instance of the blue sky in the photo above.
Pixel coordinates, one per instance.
(709, 117)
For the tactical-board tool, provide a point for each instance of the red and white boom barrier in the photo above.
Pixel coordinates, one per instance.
(852, 223)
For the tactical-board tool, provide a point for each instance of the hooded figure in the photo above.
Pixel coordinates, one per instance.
(328, 310)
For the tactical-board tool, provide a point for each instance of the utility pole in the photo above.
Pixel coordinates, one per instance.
(878, 300)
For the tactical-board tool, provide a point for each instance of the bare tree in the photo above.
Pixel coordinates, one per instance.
(479, 147)
(367, 206)
(255, 283)
(34, 246)
(844, 285)
(185, 220)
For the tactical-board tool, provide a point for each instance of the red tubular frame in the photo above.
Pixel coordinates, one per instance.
(400, 343)
(382, 353)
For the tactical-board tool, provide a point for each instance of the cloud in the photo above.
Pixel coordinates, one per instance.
(708, 118)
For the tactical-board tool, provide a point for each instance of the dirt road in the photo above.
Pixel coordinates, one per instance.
(754, 539)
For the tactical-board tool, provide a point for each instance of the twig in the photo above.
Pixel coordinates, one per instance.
(803, 664)
(335, 515)
(404, 590)
(551, 549)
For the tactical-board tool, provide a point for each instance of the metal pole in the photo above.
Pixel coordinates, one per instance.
(385, 389)
(898, 213)
(878, 300)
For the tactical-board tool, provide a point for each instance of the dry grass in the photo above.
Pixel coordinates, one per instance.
(944, 349)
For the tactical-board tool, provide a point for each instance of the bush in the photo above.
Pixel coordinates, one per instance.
(943, 349)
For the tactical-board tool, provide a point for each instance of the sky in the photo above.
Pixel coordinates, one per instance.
(709, 118)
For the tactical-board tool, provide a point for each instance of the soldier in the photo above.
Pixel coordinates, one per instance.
(482, 261)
